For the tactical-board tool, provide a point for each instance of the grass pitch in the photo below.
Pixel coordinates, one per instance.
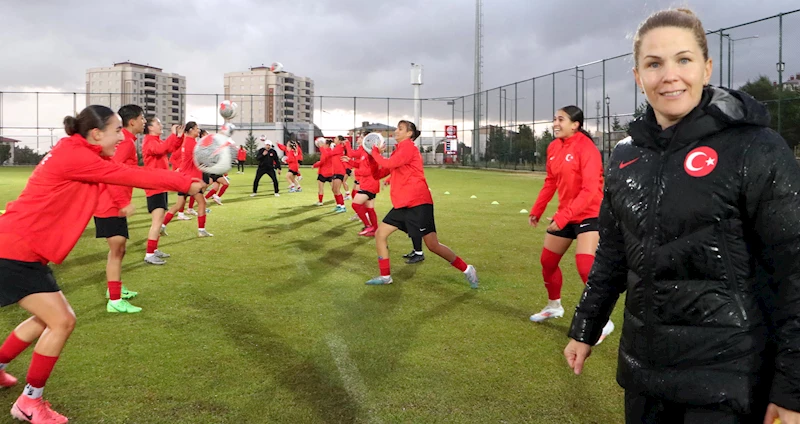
(270, 320)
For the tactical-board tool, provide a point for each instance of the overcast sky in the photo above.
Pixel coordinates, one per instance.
(360, 47)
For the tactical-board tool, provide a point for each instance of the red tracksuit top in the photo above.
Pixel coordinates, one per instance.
(175, 158)
(409, 187)
(364, 167)
(348, 151)
(575, 170)
(154, 153)
(188, 167)
(241, 154)
(68, 180)
(291, 158)
(325, 162)
(114, 197)
(336, 160)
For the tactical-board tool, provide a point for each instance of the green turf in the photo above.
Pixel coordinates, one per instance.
(270, 320)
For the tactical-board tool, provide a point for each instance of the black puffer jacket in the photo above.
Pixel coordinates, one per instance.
(700, 223)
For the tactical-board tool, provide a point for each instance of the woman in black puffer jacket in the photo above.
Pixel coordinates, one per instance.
(700, 224)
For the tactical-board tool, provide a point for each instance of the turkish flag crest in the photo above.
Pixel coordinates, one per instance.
(700, 161)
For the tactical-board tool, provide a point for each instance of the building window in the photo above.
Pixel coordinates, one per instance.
(175, 118)
(308, 84)
(308, 115)
(175, 110)
(174, 103)
(308, 107)
(288, 112)
(176, 96)
(289, 120)
(150, 76)
(174, 80)
(289, 97)
(175, 88)
(289, 88)
(288, 104)
(289, 80)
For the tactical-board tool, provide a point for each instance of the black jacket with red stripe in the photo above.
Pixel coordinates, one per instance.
(700, 224)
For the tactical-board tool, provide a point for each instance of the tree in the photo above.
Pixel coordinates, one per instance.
(251, 147)
(525, 144)
(495, 144)
(616, 125)
(638, 113)
(5, 152)
(26, 156)
(763, 90)
(541, 145)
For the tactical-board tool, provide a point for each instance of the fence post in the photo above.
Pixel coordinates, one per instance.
(604, 121)
(780, 69)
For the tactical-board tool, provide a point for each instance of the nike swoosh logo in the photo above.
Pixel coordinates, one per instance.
(624, 164)
(423, 229)
(584, 225)
(29, 417)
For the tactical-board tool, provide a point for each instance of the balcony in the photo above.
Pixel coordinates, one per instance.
(150, 76)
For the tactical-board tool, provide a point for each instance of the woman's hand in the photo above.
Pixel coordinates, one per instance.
(786, 416)
(576, 354)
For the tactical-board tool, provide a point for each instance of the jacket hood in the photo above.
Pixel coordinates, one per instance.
(718, 110)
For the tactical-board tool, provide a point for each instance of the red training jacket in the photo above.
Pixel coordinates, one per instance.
(336, 160)
(175, 158)
(154, 153)
(409, 187)
(68, 180)
(325, 165)
(114, 198)
(364, 167)
(575, 170)
(241, 154)
(292, 158)
(188, 167)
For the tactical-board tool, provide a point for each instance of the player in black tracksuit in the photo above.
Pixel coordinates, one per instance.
(700, 224)
(268, 162)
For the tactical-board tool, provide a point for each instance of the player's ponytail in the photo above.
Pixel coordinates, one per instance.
(91, 117)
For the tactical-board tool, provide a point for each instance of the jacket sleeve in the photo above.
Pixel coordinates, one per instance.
(399, 158)
(591, 170)
(260, 157)
(275, 160)
(772, 198)
(607, 280)
(317, 164)
(546, 193)
(377, 171)
(282, 147)
(93, 169)
(151, 148)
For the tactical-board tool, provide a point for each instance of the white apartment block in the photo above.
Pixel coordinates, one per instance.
(159, 93)
(265, 96)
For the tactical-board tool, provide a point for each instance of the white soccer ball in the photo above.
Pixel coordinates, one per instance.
(227, 129)
(320, 141)
(212, 154)
(228, 109)
(372, 139)
(283, 159)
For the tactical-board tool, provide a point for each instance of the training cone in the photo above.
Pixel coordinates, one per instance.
(446, 192)
(495, 202)
(523, 211)
(473, 197)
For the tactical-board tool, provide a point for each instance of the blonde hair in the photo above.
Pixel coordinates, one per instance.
(677, 18)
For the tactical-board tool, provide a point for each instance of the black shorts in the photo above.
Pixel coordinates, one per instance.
(157, 201)
(416, 221)
(339, 177)
(111, 227)
(294, 173)
(207, 178)
(322, 179)
(369, 194)
(349, 172)
(214, 177)
(19, 279)
(571, 231)
(356, 182)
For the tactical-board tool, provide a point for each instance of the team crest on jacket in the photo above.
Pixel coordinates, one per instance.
(700, 161)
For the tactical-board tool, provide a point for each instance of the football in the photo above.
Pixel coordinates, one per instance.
(372, 139)
(320, 141)
(227, 129)
(228, 109)
(213, 155)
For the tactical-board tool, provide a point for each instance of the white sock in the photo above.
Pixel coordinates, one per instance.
(149, 255)
(33, 392)
(418, 253)
(554, 303)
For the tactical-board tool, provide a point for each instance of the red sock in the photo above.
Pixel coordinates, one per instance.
(353, 194)
(551, 274)
(40, 369)
(320, 197)
(181, 209)
(152, 245)
(114, 290)
(201, 222)
(191, 203)
(373, 217)
(459, 264)
(11, 348)
(584, 263)
(361, 211)
(383, 264)
(339, 200)
(222, 190)
(168, 217)
(210, 193)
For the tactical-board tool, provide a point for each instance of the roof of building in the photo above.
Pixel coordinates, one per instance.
(8, 140)
(139, 65)
(366, 126)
